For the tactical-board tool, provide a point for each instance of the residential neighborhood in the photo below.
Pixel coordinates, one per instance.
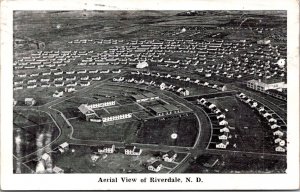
(150, 92)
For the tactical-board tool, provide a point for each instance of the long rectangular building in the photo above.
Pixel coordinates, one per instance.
(161, 110)
(145, 97)
(102, 104)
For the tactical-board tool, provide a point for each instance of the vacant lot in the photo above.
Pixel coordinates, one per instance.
(23, 118)
(125, 132)
(158, 131)
(238, 164)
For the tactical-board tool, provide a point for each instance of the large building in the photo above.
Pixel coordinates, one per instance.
(161, 110)
(145, 97)
(87, 111)
(115, 117)
(102, 104)
(263, 85)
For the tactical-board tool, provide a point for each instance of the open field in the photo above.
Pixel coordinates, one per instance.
(24, 118)
(124, 132)
(157, 131)
(237, 164)
(153, 131)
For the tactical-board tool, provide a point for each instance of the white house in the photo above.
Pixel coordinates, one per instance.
(81, 71)
(170, 156)
(223, 137)
(63, 147)
(30, 101)
(280, 149)
(156, 166)
(58, 93)
(221, 116)
(184, 92)
(225, 130)
(116, 71)
(98, 78)
(162, 86)
(70, 89)
(222, 145)
(59, 83)
(274, 126)
(106, 149)
(132, 150)
(278, 133)
(223, 122)
(201, 101)
(277, 140)
(85, 83)
(85, 78)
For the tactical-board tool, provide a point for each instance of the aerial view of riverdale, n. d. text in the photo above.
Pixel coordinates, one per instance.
(149, 92)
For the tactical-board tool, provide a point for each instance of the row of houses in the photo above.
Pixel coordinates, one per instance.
(47, 59)
(162, 86)
(166, 76)
(72, 73)
(272, 119)
(224, 132)
(96, 41)
(155, 51)
(69, 86)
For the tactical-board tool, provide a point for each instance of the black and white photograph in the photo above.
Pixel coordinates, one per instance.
(150, 92)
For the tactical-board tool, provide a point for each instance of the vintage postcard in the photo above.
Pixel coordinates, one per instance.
(163, 95)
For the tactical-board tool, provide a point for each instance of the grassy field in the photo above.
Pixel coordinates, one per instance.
(156, 131)
(125, 132)
(23, 118)
(153, 131)
(233, 164)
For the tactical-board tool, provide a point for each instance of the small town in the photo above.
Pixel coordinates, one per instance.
(150, 92)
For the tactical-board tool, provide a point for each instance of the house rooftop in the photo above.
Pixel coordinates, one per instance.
(171, 153)
(83, 108)
(130, 147)
(150, 94)
(170, 107)
(138, 97)
(158, 109)
(156, 164)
